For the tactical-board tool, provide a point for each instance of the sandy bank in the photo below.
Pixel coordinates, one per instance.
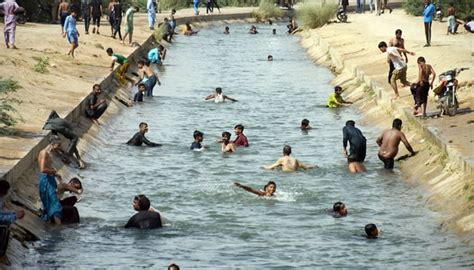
(445, 162)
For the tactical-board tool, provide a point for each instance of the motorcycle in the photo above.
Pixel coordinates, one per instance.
(438, 15)
(341, 14)
(446, 92)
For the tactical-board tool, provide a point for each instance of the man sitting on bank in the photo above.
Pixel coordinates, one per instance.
(139, 138)
(95, 106)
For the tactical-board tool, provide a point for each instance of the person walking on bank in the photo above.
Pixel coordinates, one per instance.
(9, 8)
(86, 14)
(151, 8)
(117, 19)
(428, 13)
(96, 11)
(129, 26)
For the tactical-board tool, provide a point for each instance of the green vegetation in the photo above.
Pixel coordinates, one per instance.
(463, 7)
(312, 15)
(7, 87)
(267, 10)
(180, 4)
(159, 33)
(42, 65)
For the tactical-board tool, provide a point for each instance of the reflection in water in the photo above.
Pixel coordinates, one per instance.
(215, 225)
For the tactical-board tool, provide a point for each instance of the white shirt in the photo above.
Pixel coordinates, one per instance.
(396, 58)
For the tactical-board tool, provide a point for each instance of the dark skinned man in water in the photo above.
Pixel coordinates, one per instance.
(389, 142)
(139, 138)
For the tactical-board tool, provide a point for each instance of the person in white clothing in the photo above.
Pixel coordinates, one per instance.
(400, 72)
(218, 97)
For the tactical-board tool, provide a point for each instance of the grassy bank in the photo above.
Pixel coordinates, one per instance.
(312, 15)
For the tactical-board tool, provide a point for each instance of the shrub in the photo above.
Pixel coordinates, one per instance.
(159, 33)
(311, 15)
(7, 87)
(266, 10)
(42, 65)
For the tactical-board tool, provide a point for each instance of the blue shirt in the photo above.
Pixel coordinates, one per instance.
(70, 25)
(428, 13)
(7, 217)
(195, 145)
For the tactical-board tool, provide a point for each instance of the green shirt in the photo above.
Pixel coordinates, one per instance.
(119, 58)
(334, 100)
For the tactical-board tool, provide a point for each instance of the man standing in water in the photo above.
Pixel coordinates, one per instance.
(144, 219)
(241, 139)
(357, 149)
(95, 106)
(9, 7)
(226, 145)
(139, 138)
(152, 78)
(389, 142)
(287, 162)
(52, 210)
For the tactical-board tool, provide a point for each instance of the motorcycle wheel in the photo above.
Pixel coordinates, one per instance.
(451, 106)
(342, 17)
(20, 19)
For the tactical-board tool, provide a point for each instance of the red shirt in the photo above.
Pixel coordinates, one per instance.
(241, 140)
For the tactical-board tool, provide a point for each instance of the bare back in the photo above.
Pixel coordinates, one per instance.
(44, 161)
(390, 141)
(289, 163)
(63, 7)
(148, 71)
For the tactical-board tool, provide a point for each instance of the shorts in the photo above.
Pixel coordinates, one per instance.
(355, 159)
(399, 74)
(72, 38)
(388, 162)
(129, 28)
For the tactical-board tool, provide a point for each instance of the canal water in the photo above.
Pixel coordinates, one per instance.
(214, 225)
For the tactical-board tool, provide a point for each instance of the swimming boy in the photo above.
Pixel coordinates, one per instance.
(71, 32)
(241, 139)
(226, 30)
(52, 210)
(138, 97)
(339, 209)
(358, 145)
(268, 190)
(144, 219)
(226, 145)
(270, 58)
(198, 138)
(287, 162)
(335, 99)
(253, 30)
(95, 106)
(305, 125)
(139, 138)
(389, 142)
(218, 97)
(371, 231)
(121, 60)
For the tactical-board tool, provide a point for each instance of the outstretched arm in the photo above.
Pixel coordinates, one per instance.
(274, 165)
(407, 144)
(210, 97)
(229, 98)
(249, 189)
(401, 50)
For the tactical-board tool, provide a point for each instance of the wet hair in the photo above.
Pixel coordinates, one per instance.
(142, 124)
(76, 181)
(109, 50)
(219, 90)
(287, 150)
(350, 123)
(305, 122)
(54, 139)
(227, 28)
(337, 88)
(173, 267)
(226, 134)
(96, 85)
(143, 202)
(370, 229)
(270, 183)
(4, 187)
(397, 123)
(239, 126)
(421, 59)
(197, 133)
(398, 31)
(338, 206)
(270, 57)
(382, 44)
(141, 62)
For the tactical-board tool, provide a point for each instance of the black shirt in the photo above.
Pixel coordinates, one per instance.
(195, 145)
(61, 126)
(96, 4)
(356, 140)
(138, 139)
(138, 97)
(91, 101)
(145, 220)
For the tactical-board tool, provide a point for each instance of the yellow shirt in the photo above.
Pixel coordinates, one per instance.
(334, 100)
(185, 29)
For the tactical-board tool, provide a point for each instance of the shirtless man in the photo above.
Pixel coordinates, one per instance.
(218, 97)
(145, 71)
(73, 186)
(397, 42)
(226, 145)
(288, 163)
(389, 142)
(424, 84)
(268, 190)
(63, 12)
(52, 210)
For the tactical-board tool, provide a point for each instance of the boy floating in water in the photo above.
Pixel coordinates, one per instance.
(270, 58)
(335, 99)
(226, 30)
(357, 149)
(389, 142)
(139, 138)
(226, 145)
(121, 60)
(268, 190)
(305, 125)
(339, 210)
(253, 30)
(198, 138)
(218, 97)
(371, 231)
(288, 163)
(71, 32)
